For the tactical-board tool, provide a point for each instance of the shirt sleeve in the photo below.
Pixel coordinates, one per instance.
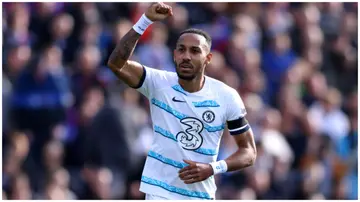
(150, 81)
(236, 121)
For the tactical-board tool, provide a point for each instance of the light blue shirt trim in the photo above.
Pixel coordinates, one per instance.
(180, 115)
(206, 103)
(165, 160)
(178, 88)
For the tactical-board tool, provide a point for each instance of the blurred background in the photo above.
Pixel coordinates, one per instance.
(71, 130)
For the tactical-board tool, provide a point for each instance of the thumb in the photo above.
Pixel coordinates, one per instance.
(189, 162)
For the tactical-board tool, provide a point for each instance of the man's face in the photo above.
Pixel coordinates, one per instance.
(191, 55)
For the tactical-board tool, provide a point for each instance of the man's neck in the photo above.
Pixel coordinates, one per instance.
(194, 85)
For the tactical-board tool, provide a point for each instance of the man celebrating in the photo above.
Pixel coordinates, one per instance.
(189, 112)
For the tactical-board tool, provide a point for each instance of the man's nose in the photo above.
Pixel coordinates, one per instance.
(187, 56)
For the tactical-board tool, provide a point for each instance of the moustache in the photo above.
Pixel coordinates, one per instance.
(186, 64)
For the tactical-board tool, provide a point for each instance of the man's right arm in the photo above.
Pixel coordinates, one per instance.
(128, 71)
(131, 72)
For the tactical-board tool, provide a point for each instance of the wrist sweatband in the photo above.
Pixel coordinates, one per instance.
(219, 167)
(142, 24)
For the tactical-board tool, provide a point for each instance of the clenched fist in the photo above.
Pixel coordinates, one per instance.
(158, 11)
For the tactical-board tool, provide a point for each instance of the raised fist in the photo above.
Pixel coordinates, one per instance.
(158, 11)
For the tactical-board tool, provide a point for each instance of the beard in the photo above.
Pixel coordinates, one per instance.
(188, 76)
(185, 77)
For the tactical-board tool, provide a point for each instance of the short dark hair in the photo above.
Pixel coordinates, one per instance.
(199, 32)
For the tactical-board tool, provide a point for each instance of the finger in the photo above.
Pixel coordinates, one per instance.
(183, 174)
(184, 169)
(192, 180)
(171, 12)
(162, 8)
(189, 162)
(157, 5)
(190, 176)
(167, 8)
(160, 3)
(186, 173)
(158, 8)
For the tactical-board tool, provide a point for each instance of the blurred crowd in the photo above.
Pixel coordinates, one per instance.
(72, 130)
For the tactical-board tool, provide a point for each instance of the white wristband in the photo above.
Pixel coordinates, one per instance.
(142, 24)
(219, 167)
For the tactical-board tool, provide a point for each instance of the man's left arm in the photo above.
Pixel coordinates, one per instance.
(240, 129)
(245, 155)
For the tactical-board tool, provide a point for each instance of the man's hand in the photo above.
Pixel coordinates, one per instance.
(195, 172)
(158, 11)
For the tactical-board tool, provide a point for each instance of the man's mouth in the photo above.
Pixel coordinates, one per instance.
(186, 66)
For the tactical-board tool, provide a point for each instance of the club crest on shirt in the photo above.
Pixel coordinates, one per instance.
(208, 116)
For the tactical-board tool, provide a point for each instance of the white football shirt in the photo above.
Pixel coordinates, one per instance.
(186, 126)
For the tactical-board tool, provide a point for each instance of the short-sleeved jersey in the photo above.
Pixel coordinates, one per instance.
(186, 126)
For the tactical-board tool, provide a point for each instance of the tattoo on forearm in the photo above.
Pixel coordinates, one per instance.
(124, 48)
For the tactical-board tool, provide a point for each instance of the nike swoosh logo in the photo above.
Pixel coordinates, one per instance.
(175, 100)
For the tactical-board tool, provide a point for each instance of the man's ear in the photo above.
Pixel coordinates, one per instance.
(208, 58)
